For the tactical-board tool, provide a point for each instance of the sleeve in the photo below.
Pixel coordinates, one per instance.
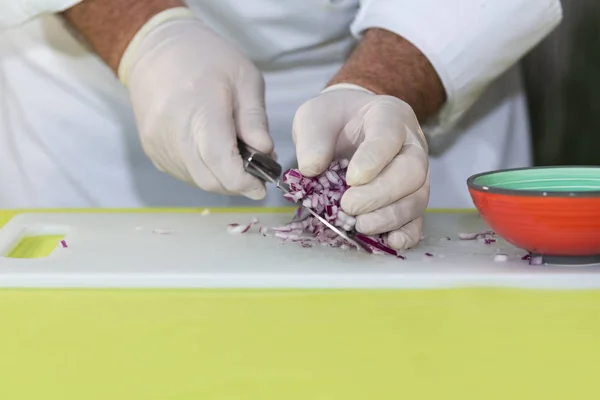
(17, 12)
(469, 42)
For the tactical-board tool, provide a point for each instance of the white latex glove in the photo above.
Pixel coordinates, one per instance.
(193, 95)
(389, 165)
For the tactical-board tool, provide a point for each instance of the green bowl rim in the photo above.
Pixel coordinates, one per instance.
(529, 193)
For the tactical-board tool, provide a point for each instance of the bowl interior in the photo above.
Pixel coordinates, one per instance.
(546, 180)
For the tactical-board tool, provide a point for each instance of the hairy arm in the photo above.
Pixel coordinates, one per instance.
(109, 25)
(385, 63)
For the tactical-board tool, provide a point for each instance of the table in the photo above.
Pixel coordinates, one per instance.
(473, 343)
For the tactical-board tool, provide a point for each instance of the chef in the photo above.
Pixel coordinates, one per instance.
(137, 103)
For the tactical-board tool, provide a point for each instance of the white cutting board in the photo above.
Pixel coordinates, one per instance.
(121, 250)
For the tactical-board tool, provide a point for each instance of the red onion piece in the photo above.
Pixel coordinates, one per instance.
(63, 244)
(536, 260)
(501, 257)
(378, 245)
(236, 229)
(533, 260)
(476, 235)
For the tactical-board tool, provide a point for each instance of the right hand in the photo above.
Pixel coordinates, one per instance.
(193, 95)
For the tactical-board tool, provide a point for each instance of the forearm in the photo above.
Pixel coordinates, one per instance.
(385, 63)
(109, 25)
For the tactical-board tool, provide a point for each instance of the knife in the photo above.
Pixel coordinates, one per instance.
(266, 169)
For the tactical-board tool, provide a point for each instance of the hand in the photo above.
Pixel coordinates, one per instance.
(388, 172)
(193, 95)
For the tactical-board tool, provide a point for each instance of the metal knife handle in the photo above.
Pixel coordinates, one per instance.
(259, 164)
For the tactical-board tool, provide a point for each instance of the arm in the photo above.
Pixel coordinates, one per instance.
(192, 93)
(385, 63)
(109, 25)
(469, 43)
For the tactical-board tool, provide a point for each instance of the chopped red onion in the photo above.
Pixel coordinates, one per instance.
(323, 194)
(429, 254)
(536, 260)
(533, 260)
(375, 244)
(235, 229)
(63, 244)
(487, 237)
(477, 235)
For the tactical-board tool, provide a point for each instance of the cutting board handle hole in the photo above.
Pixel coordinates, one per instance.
(35, 242)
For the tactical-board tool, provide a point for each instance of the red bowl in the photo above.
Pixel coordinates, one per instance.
(551, 211)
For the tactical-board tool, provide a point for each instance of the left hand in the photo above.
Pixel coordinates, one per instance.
(388, 172)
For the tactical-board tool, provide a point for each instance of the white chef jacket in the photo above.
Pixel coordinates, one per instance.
(68, 136)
